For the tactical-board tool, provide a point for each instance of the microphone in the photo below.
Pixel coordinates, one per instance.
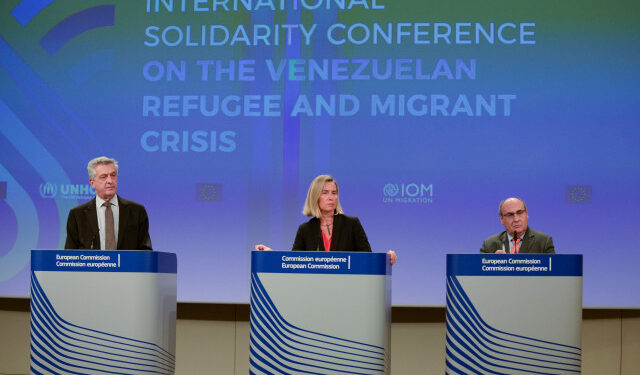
(96, 235)
(515, 241)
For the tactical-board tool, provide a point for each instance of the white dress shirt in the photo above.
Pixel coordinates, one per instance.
(115, 209)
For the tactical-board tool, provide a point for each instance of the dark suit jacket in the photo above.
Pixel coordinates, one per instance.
(533, 242)
(133, 227)
(348, 235)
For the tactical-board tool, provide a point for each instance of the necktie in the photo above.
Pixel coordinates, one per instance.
(110, 236)
(516, 245)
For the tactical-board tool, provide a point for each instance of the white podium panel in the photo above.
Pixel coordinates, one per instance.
(514, 314)
(320, 313)
(103, 312)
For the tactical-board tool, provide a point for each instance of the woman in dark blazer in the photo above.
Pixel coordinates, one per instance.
(329, 229)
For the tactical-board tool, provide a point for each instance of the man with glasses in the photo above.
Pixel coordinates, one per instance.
(517, 237)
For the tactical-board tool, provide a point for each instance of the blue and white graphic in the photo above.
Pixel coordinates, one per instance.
(99, 312)
(319, 322)
(527, 323)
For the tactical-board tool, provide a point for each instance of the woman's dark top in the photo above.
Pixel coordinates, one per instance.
(347, 235)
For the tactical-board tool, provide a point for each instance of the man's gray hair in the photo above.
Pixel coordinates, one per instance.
(101, 160)
(499, 207)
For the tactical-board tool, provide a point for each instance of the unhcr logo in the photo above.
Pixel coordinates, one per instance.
(50, 190)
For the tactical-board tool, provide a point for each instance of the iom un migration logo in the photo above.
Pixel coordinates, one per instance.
(390, 190)
(69, 28)
(412, 193)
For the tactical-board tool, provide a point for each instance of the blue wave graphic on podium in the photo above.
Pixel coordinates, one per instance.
(474, 347)
(60, 347)
(278, 347)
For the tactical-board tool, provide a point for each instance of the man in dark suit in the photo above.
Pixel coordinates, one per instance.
(517, 237)
(108, 221)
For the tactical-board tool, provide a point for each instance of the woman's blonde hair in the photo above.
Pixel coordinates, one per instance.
(311, 207)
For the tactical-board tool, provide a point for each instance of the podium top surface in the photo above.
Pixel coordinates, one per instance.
(514, 265)
(103, 261)
(320, 262)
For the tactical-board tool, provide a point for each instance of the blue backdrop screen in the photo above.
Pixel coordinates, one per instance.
(427, 113)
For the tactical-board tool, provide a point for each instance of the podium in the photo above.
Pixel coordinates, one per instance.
(100, 312)
(320, 313)
(514, 314)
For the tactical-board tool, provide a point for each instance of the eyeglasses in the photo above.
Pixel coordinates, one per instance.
(510, 215)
